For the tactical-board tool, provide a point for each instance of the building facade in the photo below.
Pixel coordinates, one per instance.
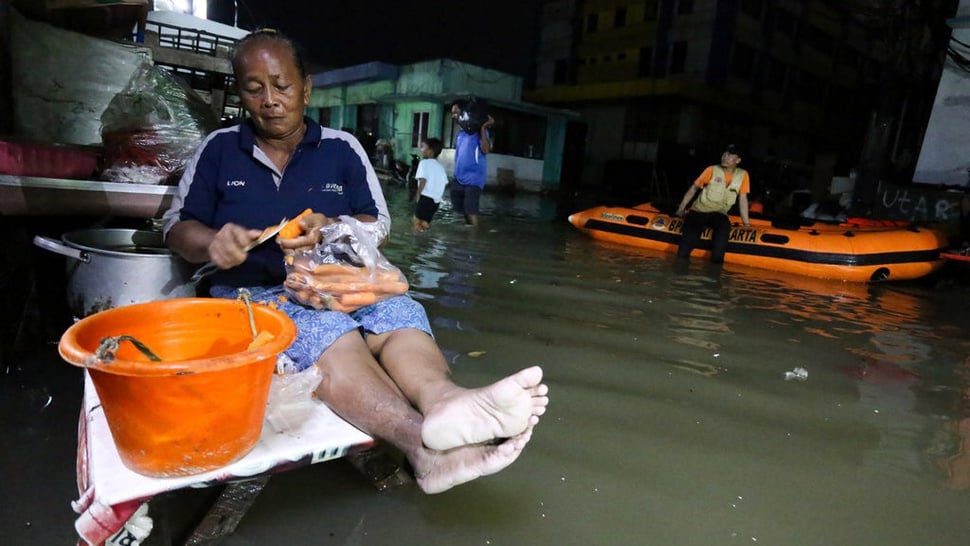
(397, 106)
(784, 80)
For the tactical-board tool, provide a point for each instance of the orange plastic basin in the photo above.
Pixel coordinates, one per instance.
(202, 406)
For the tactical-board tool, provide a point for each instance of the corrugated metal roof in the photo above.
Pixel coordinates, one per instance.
(372, 71)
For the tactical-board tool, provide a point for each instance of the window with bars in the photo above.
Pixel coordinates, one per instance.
(561, 71)
(678, 57)
(777, 75)
(753, 8)
(645, 65)
(742, 61)
(619, 17)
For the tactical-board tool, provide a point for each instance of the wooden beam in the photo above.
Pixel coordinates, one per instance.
(185, 58)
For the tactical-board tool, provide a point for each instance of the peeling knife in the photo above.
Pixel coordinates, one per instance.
(267, 234)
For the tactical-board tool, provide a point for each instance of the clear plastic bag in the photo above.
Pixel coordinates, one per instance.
(152, 128)
(345, 271)
(291, 397)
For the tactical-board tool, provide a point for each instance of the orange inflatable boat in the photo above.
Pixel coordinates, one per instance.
(847, 251)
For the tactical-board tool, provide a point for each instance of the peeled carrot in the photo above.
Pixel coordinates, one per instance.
(358, 299)
(292, 228)
(296, 280)
(391, 287)
(345, 287)
(388, 276)
(262, 338)
(337, 306)
(331, 269)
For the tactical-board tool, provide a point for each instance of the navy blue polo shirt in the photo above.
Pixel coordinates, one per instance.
(232, 180)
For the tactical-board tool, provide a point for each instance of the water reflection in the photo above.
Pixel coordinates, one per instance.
(669, 398)
(951, 447)
(957, 465)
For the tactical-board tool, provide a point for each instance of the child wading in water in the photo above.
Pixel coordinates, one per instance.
(432, 180)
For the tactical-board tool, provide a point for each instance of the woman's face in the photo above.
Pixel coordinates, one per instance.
(271, 89)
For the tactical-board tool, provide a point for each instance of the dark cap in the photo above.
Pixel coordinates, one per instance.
(733, 150)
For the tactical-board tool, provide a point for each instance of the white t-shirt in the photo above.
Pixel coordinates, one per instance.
(435, 178)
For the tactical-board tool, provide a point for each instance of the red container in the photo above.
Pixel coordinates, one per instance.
(46, 160)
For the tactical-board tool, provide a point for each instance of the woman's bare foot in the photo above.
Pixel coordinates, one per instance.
(501, 410)
(438, 471)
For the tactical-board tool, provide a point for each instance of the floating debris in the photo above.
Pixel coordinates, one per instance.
(800, 374)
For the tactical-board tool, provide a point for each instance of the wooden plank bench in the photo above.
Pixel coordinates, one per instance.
(111, 494)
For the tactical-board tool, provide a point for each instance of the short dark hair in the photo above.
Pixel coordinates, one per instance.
(264, 35)
(434, 144)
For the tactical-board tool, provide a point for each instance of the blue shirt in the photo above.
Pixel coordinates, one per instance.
(470, 167)
(231, 180)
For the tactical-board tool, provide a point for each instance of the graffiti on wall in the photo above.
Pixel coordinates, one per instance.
(920, 204)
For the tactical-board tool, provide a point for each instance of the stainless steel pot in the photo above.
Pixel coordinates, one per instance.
(109, 268)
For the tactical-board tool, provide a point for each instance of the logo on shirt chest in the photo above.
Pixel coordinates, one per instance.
(332, 187)
(235, 183)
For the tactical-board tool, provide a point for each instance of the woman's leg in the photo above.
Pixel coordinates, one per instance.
(358, 389)
(455, 416)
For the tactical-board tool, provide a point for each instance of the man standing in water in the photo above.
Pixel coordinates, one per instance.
(720, 186)
(472, 144)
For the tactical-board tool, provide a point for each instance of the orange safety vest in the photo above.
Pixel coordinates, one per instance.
(718, 196)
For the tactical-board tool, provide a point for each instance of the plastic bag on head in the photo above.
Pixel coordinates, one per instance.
(473, 115)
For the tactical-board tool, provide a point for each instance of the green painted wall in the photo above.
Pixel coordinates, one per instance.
(444, 76)
(352, 94)
(403, 126)
(465, 79)
(326, 98)
(368, 92)
(420, 79)
(386, 116)
(555, 142)
(430, 87)
(344, 117)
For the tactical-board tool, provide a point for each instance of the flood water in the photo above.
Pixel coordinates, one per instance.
(671, 420)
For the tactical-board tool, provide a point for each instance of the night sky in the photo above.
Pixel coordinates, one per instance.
(501, 34)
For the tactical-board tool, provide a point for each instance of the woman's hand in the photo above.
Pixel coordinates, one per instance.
(310, 224)
(228, 247)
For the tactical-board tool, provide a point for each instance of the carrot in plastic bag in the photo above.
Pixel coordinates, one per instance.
(357, 299)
